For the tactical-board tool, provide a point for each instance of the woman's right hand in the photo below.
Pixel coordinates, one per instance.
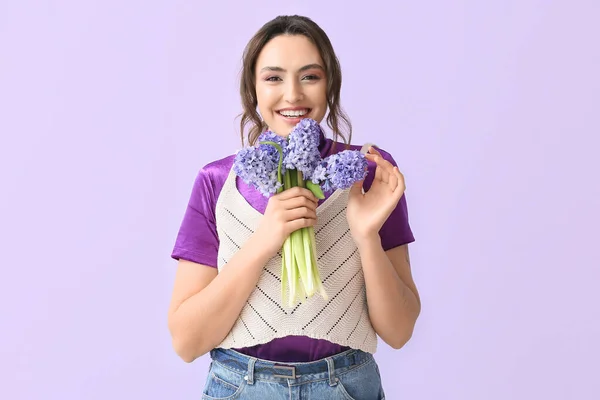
(286, 212)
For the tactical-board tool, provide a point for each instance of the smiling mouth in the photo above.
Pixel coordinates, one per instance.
(294, 113)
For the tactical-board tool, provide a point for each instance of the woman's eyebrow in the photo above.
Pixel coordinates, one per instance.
(306, 67)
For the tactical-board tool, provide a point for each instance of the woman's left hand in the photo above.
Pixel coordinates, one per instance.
(368, 212)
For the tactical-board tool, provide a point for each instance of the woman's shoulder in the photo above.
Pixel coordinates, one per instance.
(219, 166)
(213, 174)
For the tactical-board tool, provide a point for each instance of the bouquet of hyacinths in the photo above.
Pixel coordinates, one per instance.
(277, 163)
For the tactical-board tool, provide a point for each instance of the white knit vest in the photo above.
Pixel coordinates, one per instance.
(342, 319)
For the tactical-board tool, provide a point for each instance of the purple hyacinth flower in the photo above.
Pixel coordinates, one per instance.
(270, 136)
(303, 147)
(257, 166)
(273, 137)
(341, 170)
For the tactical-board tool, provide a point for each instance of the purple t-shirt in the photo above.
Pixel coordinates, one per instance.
(198, 241)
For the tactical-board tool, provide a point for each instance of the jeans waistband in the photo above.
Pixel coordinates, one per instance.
(255, 367)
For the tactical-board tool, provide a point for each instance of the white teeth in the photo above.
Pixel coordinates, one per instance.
(298, 113)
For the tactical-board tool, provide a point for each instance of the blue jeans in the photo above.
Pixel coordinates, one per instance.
(351, 375)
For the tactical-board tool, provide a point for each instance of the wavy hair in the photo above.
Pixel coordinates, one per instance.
(337, 120)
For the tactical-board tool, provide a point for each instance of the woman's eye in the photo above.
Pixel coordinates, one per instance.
(307, 77)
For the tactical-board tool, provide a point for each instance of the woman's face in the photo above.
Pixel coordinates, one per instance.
(290, 83)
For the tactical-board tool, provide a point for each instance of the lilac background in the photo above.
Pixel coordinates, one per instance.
(108, 109)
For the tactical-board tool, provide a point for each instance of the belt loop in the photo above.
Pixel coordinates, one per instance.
(250, 375)
(331, 370)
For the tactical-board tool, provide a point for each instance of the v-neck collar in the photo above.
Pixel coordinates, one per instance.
(230, 183)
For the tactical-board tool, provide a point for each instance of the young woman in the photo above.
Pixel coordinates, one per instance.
(226, 300)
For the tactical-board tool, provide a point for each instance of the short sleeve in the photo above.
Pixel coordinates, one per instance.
(197, 239)
(396, 231)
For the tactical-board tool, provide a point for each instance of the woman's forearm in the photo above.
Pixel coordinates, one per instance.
(393, 306)
(202, 321)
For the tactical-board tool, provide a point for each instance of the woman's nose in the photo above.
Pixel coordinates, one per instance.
(293, 92)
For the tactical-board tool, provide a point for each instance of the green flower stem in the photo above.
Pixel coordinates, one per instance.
(299, 262)
(288, 258)
(297, 243)
(305, 257)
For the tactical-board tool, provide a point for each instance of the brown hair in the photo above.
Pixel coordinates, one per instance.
(291, 25)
